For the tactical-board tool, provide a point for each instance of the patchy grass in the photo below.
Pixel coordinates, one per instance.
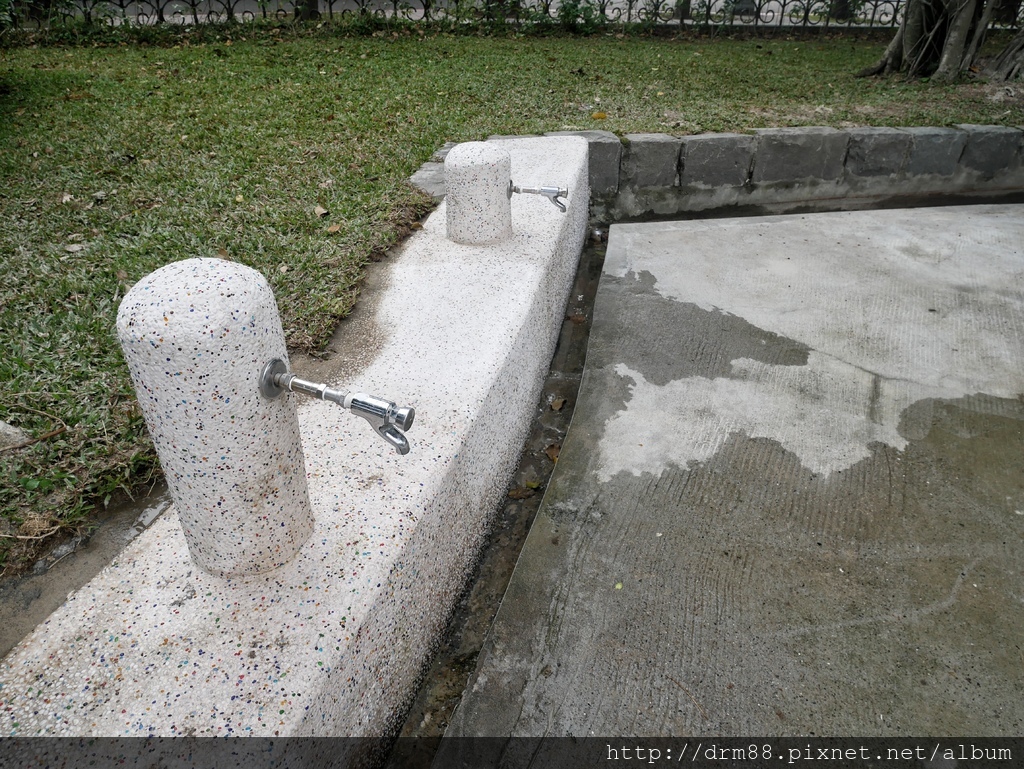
(117, 160)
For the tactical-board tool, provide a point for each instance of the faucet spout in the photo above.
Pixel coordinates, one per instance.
(388, 420)
(551, 191)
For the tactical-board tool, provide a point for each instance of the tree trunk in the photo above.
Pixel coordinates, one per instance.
(1009, 65)
(889, 62)
(942, 38)
(1006, 12)
(307, 10)
(979, 35)
(961, 12)
(841, 10)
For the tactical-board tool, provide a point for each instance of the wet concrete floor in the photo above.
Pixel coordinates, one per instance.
(791, 501)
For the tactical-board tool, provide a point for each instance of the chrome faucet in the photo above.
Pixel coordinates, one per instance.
(551, 192)
(388, 420)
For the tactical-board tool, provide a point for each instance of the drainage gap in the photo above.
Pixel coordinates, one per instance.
(441, 690)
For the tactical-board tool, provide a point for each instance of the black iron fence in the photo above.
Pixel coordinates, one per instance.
(569, 14)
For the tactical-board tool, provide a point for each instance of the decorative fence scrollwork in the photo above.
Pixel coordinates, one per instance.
(569, 14)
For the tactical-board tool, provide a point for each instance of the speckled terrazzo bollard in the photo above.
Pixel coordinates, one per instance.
(195, 334)
(476, 182)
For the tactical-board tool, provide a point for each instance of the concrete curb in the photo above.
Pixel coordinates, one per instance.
(333, 642)
(830, 168)
(783, 169)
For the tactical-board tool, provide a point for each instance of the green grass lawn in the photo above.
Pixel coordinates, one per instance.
(117, 160)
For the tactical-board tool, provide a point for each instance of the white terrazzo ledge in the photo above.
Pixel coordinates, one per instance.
(332, 643)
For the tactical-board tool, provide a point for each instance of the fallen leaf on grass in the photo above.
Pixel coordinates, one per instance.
(600, 116)
(334, 228)
(74, 248)
(66, 198)
(320, 211)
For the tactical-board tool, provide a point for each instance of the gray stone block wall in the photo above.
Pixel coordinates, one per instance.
(715, 160)
(991, 149)
(650, 160)
(934, 150)
(877, 151)
(799, 154)
(777, 169)
(605, 155)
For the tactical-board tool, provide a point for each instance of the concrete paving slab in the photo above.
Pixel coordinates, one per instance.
(791, 500)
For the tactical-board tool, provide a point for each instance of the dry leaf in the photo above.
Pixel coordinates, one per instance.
(320, 211)
(557, 403)
(577, 318)
(334, 228)
(223, 253)
(74, 248)
(532, 484)
(600, 116)
(66, 198)
(239, 199)
(552, 451)
(283, 269)
(521, 493)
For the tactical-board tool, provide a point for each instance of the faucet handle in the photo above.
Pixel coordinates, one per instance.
(404, 417)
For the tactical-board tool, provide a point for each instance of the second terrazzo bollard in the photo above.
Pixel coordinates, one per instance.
(477, 179)
(196, 334)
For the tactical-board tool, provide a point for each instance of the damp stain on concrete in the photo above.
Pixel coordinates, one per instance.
(832, 550)
(812, 331)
